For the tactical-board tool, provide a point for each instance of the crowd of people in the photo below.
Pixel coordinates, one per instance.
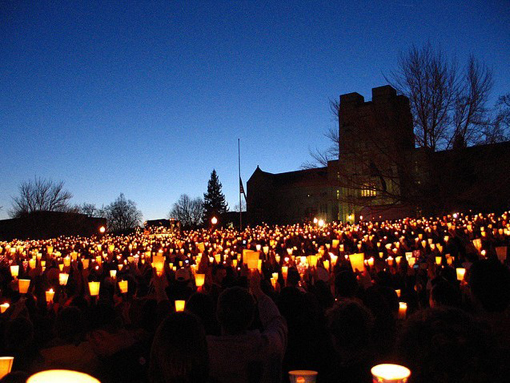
(431, 294)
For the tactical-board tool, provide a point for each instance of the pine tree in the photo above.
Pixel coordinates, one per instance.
(214, 200)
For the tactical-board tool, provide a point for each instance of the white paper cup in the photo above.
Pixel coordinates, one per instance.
(390, 373)
(302, 376)
(61, 376)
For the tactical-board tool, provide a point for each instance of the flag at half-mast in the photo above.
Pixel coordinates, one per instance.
(241, 188)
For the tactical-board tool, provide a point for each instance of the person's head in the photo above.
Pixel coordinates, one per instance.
(490, 284)
(69, 324)
(350, 323)
(19, 334)
(445, 344)
(444, 293)
(235, 311)
(179, 351)
(346, 284)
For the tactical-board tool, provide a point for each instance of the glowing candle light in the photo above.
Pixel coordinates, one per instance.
(123, 287)
(390, 373)
(199, 279)
(285, 271)
(62, 279)
(85, 263)
(357, 261)
(398, 292)
(94, 288)
(461, 272)
(4, 307)
(180, 305)
(14, 271)
(402, 310)
(5, 365)
(439, 260)
(113, 274)
(23, 285)
(49, 295)
(61, 376)
(303, 376)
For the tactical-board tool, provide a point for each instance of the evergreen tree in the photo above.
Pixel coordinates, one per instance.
(214, 200)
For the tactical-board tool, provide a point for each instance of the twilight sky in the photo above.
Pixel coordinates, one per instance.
(146, 98)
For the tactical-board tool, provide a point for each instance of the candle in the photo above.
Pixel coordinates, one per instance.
(402, 310)
(23, 285)
(123, 287)
(4, 307)
(158, 263)
(390, 373)
(61, 376)
(14, 271)
(357, 261)
(285, 270)
(180, 305)
(113, 274)
(398, 292)
(94, 288)
(5, 365)
(199, 280)
(32, 263)
(439, 260)
(85, 263)
(62, 279)
(460, 273)
(49, 295)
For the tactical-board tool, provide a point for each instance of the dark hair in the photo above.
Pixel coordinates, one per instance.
(69, 324)
(445, 344)
(179, 351)
(350, 323)
(444, 293)
(346, 284)
(236, 308)
(490, 283)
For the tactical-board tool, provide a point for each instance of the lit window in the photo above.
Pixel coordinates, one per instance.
(368, 190)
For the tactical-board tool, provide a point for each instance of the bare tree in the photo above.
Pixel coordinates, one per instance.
(471, 116)
(499, 129)
(40, 195)
(431, 83)
(122, 214)
(188, 211)
(89, 209)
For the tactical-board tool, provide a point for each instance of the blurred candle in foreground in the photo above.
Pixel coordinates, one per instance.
(180, 305)
(402, 310)
(390, 373)
(61, 376)
(5, 365)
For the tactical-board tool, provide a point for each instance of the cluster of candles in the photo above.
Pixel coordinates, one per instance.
(365, 246)
(403, 243)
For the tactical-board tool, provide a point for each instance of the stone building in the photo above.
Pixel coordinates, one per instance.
(380, 174)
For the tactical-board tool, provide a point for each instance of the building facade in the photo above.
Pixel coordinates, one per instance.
(380, 174)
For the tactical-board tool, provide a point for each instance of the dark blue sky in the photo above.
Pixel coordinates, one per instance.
(146, 98)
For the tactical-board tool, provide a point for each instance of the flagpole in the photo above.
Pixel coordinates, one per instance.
(240, 201)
